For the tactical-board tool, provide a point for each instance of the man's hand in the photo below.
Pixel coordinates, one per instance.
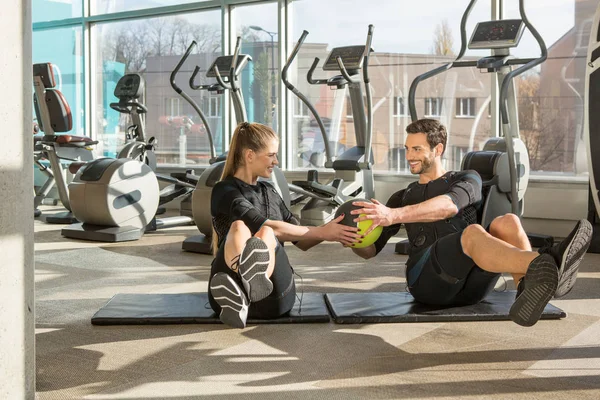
(380, 214)
(336, 232)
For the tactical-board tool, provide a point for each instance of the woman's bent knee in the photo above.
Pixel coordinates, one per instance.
(265, 230)
(238, 225)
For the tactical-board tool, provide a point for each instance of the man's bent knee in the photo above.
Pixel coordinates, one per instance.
(468, 236)
(505, 224)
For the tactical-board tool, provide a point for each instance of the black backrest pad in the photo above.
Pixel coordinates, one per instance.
(45, 71)
(59, 110)
(215, 174)
(491, 166)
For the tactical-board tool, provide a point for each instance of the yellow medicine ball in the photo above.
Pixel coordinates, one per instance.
(363, 226)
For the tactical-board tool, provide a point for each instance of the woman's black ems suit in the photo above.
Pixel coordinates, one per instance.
(438, 272)
(232, 200)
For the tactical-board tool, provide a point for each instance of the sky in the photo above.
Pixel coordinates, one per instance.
(401, 26)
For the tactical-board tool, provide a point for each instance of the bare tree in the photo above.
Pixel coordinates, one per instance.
(542, 126)
(133, 43)
(260, 86)
(443, 40)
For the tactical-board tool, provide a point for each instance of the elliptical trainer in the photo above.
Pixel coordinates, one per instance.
(503, 164)
(234, 64)
(128, 90)
(116, 199)
(353, 173)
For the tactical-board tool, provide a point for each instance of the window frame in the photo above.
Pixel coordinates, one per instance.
(471, 106)
(439, 101)
(400, 100)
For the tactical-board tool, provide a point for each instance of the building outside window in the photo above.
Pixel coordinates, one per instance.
(300, 109)
(433, 106)
(172, 107)
(400, 107)
(465, 107)
(214, 107)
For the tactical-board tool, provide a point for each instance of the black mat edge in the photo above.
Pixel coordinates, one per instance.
(551, 314)
(290, 319)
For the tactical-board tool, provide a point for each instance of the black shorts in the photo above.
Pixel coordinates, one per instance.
(278, 303)
(443, 274)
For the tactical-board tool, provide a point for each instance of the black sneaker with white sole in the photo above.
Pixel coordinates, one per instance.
(252, 269)
(535, 290)
(231, 298)
(568, 254)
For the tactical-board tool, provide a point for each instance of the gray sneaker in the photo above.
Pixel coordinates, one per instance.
(535, 290)
(231, 298)
(568, 254)
(252, 269)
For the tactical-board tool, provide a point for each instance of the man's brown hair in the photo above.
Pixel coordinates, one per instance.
(436, 132)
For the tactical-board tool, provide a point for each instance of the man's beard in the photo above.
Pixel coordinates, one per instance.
(426, 164)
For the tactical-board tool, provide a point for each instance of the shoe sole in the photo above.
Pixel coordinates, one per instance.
(254, 262)
(572, 257)
(228, 294)
(542, 280)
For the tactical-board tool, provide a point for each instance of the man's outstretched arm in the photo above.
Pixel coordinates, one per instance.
(435, 209)
(462, 192)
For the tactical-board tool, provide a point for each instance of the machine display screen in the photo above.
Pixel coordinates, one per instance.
(497, 34)
(352, 57)
(224, 64)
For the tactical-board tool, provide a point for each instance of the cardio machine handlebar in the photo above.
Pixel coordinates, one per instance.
(178, 67)
(127, 106)
(369, 138)
(193, 85)
(311, 71)
(528, 63)
(182, 93)
(236, 53)
(304, 99)
(412, 92)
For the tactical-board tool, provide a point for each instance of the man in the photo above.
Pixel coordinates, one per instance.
(453, 260)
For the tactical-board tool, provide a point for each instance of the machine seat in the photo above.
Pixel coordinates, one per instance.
(72, 139)
(318, 188)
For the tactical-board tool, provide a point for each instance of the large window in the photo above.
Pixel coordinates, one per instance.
(67, 61)
(152, 48)
(550, 98)
(110, 6)
(427, 36)
(49, 10)
(257, 26)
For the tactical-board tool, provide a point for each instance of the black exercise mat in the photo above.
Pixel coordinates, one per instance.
(360, 308)
(192, 308)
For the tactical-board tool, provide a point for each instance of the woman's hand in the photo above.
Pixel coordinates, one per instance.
(336, 232)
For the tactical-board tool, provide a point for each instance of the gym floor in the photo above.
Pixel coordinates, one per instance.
(76, 360)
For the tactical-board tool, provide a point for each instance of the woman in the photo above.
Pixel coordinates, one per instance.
(251, 274)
